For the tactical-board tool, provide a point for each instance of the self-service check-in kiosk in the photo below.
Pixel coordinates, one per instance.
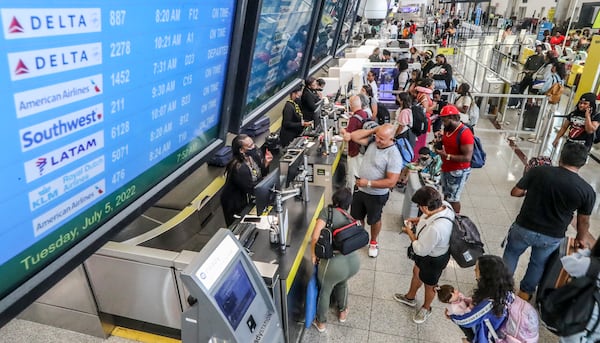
(233, 303)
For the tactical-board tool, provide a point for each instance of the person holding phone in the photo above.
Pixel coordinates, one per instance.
(582, 123)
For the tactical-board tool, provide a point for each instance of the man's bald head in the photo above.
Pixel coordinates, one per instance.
(355, 103)
(384, 136)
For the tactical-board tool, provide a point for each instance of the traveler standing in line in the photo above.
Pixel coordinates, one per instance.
(378, 172)
(456, 155)
(355, 122)
(371, 109)
(371, 81)
(585, 263)
(243, 172)
(424, 98)
(293, 122)
(334, 272)
(533, 63)
(463, 103)
(582, 123)
(431, 243)
(552, 195)
(490, 298)
(309, 99)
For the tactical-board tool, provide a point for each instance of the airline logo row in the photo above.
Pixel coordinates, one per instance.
(34, 63)
(19, 23)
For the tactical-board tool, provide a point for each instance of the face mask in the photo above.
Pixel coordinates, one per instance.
(255, 153)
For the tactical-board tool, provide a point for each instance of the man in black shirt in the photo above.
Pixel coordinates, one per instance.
(533, 63)
(552, 195)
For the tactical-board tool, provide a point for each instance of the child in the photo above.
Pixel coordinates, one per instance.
(458, 304)
(428, 163)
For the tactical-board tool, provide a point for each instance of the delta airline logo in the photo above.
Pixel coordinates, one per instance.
(70, 208)
(63, 156)
(42, 99)
(20, 23)
(55, 189)
(34, 63)
(51, 130)
(15, 26)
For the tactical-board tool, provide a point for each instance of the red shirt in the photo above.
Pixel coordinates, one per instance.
(557, 40)
(353, 125)
(451, 146)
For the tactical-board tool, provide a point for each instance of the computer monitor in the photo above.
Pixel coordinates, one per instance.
(293, 169)
(263, 191)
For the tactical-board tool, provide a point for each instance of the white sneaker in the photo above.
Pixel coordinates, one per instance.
(373, 250)
(421, 315)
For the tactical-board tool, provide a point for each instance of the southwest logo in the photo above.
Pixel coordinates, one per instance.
(15, 26)
(41, 163)
(21, 68)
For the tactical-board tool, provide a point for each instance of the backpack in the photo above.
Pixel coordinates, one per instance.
(406, 150)
(555, 91)
(383, 115)
(363, 121)
(465, 241)
(419, 122)
(346, 239)
(479, 156)
(567, 310)
(521, 324)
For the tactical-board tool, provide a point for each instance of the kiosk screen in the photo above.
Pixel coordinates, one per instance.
(235, 295)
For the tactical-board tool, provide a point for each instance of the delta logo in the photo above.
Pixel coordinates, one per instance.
(63, 156)
(34, 63)
(19, 23)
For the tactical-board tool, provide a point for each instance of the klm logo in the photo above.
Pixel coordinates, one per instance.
(19, 23)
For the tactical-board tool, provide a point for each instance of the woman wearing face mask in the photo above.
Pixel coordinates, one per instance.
(245, 170)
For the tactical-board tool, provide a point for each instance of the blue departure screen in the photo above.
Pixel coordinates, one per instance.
(349, 19)
(280, 48)
(100, 101)
(332, 13)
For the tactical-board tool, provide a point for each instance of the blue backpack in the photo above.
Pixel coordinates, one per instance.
(478, 157)
(406, 150)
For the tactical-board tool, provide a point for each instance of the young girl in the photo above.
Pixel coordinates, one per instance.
(457, 303)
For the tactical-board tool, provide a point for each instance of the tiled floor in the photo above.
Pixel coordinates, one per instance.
(374, 316)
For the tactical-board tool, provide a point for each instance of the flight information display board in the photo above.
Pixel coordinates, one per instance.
(100, 103)
(279, 50)
(349, 20)
(332, 13)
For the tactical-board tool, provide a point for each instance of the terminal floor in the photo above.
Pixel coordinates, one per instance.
(374, 315)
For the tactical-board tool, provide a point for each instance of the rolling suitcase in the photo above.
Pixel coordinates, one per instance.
(514, 102)
(530, 117)
(554, 274)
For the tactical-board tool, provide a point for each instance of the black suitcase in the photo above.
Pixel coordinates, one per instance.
(261, 125)
(554, 275)
(530, 117)
(514, 102)
(221, 157)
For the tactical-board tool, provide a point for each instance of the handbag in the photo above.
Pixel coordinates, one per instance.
(324, 245)
(350, 237)
(410, 252)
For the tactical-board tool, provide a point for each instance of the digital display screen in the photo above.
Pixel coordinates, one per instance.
(235, 295)
(349, 19)
(280, 48)
(332, 12)
(101, 101)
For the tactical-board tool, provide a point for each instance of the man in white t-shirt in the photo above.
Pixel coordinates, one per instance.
(371, 81)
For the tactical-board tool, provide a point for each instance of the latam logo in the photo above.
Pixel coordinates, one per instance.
(54, 189)
(34, 63)
(51, 130)
(63, 156)
(45, 98)
(70, 208)
(19, 23)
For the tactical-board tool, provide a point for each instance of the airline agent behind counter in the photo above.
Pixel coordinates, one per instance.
(293, 122)
(245, 170)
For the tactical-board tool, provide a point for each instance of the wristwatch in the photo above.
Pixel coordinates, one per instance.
(448, 157)
(369, 183)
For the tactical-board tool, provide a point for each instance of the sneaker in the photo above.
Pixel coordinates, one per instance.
(373, 249)
(421, 315)
(403, 299)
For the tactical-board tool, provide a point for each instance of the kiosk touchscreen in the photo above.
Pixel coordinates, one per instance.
(233, 303)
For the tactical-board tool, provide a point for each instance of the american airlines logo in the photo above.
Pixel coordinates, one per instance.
(51, 130)
(34, 63)
(63, 156)
(19, 23)
(45, 98)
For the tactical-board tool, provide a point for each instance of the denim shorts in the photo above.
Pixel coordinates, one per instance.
(453, 183)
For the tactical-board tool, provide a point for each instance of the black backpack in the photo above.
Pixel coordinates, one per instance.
(465, 241)
(567, 310)
(383, 115)
(419, 124)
